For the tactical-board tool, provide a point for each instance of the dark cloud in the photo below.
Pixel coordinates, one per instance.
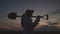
(57, 11)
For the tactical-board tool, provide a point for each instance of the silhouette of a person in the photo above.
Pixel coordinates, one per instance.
(27, 23)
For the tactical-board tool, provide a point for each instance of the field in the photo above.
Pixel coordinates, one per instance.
(36, 32)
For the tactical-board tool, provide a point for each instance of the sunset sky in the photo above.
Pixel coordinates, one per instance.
(40, 7)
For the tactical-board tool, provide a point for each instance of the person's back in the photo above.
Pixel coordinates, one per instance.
(27, 22)
(27, 25)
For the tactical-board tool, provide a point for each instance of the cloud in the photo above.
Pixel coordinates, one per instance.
(10, 27)
(57, 11)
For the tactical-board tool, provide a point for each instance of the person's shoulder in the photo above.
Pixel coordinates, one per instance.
(24, 15)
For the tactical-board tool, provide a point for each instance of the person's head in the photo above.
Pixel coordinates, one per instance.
(29, 12)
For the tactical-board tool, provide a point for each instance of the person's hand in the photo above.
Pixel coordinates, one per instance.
(38, 16)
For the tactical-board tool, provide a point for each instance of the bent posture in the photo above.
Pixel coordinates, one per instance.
(27, 23)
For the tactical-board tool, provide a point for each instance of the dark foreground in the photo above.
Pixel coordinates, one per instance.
(36, 32)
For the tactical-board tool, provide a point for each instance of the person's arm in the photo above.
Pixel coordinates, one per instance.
(37, 20)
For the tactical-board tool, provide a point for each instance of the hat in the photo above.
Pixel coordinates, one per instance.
(29, 11)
